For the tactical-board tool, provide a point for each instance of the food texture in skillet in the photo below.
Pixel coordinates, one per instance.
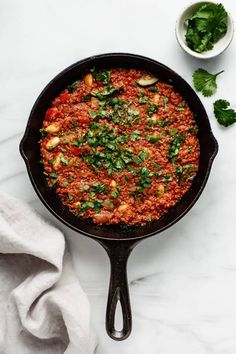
(119, 146)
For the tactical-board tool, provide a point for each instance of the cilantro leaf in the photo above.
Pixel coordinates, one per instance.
(205, 82)
(64, 160)
(107, 92)
(152, 109)
(225, 116)
(206, 26)
(115, 192)
(71, 88)
(174, 147)
(103, 76)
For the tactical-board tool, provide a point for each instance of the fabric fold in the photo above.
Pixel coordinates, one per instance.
(43, 308)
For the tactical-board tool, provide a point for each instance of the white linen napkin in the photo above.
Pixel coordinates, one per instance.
(43, 308)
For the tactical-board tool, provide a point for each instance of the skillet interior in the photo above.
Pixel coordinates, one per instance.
(30, 149)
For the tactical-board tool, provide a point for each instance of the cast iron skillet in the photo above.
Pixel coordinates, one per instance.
(119, 240)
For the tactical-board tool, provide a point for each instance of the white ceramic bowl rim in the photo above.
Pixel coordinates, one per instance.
(219, 47)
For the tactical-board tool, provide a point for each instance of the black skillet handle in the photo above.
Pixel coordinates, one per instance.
(118, 252)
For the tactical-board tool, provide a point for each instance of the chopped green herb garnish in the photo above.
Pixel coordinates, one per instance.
(43, 132)
(153, 138)
(115, 192)
(86, 98)
(100, 113)
(113, 156)
(64, 161)
(143, 99)
(167, 178)
(184, 172)
(132, 112)
(74, 123)
(152, 122)
(154, 90)
(190, 148)
(174, 131)
(71, 88)
(84, 207)
(53, 175)
(99, 188)
(145, 180)
(70, 179)
(103, 76)
(52, 162)
(166, 101)
(162, 123)
(135, 135)
(156, 165)
(137, 120)
(152, 109)
(86, 187)
(122, 139)
(175, 146)
(143, 154)
(109, 91)
(97, 204)
(157, 174)
(92, 195)
(193, 129)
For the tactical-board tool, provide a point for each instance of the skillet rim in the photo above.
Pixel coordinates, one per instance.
(167, 224)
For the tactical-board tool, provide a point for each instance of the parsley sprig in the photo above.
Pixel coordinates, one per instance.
(224, 115)
(205, 82)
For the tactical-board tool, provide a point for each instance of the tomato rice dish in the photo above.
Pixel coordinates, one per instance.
(119, 146)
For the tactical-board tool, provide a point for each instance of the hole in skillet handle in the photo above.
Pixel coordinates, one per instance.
(117, 297)
(118, 294)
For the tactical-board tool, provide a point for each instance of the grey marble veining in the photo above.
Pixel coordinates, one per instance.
(183, 281)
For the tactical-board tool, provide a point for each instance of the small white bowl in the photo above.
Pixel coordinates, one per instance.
(180, 30)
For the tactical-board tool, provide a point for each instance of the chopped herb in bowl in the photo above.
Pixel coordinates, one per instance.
(206, 26)
(204, 29)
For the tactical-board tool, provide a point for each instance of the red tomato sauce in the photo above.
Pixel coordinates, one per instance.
(117, 151)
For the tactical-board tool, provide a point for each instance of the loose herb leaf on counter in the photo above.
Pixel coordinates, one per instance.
(205, 82)
(225, 115)
(206, 26)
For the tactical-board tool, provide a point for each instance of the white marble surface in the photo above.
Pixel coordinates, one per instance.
(182, 282)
